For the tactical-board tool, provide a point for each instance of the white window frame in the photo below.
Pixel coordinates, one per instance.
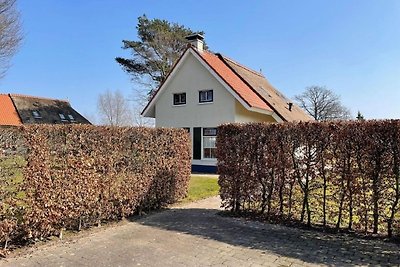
(207, 94)
(203, 136)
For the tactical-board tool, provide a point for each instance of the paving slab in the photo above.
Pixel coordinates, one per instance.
(195, 235)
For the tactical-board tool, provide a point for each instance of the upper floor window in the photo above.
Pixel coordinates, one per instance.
(180, 99)
(206, 96)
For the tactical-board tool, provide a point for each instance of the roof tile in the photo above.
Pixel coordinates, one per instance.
(8, 114)
(276, 100)
(230, 77)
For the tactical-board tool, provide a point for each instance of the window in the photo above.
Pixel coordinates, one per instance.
(206, 96)
(36, 114)
(209, 140)
(180, 99)
(71, 118)
(62, 117)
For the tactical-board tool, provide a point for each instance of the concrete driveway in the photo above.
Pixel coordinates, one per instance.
(194, 235)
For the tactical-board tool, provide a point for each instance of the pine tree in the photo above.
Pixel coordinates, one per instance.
(159, 46)
(360, 117)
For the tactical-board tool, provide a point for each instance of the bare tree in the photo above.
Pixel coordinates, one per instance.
(10, 33)
(139, 99)
(322, 104)
(114, 109)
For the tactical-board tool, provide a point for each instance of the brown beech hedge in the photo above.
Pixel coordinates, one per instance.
(337, 174)
(68, 177)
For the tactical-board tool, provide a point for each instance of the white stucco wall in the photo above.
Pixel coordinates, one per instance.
(191, 78)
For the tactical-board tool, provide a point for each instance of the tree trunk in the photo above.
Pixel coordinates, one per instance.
(396, 173)
(364, 191)
(349, 189)
(350, 210)
(325, 187)
(290, 200)
(303, 209)
(342, 196)
(308, 214)
(375, 199)
(305, 200)
(393, 211)
(264, 198)
(281, 187)
(271, 191)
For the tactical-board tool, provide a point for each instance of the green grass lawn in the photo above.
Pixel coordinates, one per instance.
(201, 186)
(11, 169)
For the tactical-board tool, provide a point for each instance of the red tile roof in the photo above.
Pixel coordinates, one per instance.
(8, 114)
(234, 81)
(270, 95)
(253, 87)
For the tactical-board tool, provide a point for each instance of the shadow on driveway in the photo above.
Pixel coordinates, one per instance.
(308, 246)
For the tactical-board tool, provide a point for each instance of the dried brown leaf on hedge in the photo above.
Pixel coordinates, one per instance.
(334, 174)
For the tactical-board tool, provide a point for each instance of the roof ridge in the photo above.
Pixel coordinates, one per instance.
(38, 97)
(15, 107)
(242, 66)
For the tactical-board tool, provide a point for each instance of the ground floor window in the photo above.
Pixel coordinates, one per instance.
(209, 141)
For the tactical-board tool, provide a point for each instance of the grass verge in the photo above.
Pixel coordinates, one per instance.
(201, 186)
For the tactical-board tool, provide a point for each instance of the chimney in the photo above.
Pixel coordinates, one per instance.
(196, 41)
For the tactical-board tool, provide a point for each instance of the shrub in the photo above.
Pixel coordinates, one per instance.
(75, 176)
(335, 174)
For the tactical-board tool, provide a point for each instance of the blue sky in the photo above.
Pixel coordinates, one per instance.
(350, 46)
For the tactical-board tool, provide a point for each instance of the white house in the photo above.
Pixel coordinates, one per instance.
(204, 90)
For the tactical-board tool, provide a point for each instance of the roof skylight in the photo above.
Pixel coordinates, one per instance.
(36, 114)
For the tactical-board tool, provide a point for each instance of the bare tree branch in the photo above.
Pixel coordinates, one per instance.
(10, 33)
(322, 104)
(139, 101)
(114, 109)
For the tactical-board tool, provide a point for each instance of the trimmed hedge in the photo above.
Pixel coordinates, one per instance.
(334, 174)
(76, 176)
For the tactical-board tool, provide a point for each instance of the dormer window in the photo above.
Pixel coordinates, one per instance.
(179, 99)
(36, 114)
(206, 96)
(62, 117)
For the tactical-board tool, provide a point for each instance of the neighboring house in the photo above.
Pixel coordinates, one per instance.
(204, 90)
(16, 110)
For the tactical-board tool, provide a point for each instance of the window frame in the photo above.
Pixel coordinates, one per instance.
(180, 103)
(209, 132)
(62, 117)
(71, 118)
(207, 93)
